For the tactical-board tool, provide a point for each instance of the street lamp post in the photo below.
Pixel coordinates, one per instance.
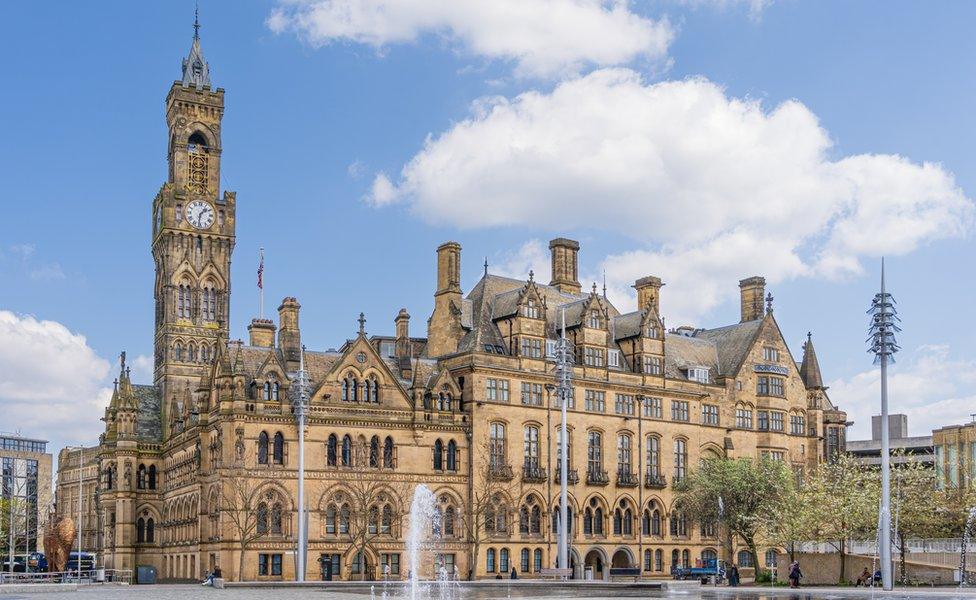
(300, 398)
(883, 345)
(564, 373)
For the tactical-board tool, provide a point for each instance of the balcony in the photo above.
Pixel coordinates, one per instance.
(533, 473)
(500, 472)
(597, 477)
(655, 481)
(627, 479)
(572, 476)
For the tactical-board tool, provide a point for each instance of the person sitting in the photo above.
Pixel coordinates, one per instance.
(864, 578)
(215, 574)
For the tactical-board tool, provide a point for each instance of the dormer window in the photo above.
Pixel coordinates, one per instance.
(699, 374)
(593, 319)
(531, 309)
(613, 358)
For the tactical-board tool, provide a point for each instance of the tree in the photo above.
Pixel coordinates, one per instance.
(840, 499)
(750, 491)
(378, 508)
(238, 503)
(920, 508)
(493, 488)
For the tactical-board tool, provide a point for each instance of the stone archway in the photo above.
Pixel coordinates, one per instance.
(597, 562)
(622, 559)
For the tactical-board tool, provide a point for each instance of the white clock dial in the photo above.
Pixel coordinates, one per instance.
(200, 214)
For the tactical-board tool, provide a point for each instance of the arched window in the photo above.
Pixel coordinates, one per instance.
(708, 555)
(685, 558)
(263, 448)
(656, 522)
(598, 521)
(675, 558)
(208, 302)
(150, 531)
(537, 560)
(353, 389)
(450, 516)
(744, 558)
(140, 531)
(344, 519)
(658, 560)
(345, 390)
(648, 560)
(530, 448)
(375, 394)
(262, 520)
(524, 560)
(569, 520)
(588, 521)
(152, 477)
(346, 451)
(374, 452)
(332, 448)
(373, 520)
(275, 387)
(278, 454)
(267, 390)
(108, 478)
(680, 459)
(386, 521)
(624, 454)
(452, 456)
(771, 557)
(205, 353)
(496, 447)
(388, 453)
(490, 560)
(438, 456)
(496, 515)
(191, 352)
(276, 518)
(178, 351)
(367, 389)
(141, 477)
(330, 519)
(503, 560)
(653, 457)
(594, 452)
(184, 301)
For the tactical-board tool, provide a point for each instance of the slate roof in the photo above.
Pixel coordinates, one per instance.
(810, 367)
(732, 343)
(681, 352)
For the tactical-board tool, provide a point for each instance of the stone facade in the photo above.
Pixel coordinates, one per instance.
(80, 466)
(203, 462)
(955, 455)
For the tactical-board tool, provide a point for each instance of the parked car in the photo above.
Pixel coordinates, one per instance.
(37, 562)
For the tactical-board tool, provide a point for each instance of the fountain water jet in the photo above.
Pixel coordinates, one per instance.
(423, 514)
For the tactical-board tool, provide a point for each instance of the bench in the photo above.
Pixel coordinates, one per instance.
(556, 573)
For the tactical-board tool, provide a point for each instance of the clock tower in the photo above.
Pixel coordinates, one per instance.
(193, 226)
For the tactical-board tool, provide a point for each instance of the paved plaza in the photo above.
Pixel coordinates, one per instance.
(499, 592)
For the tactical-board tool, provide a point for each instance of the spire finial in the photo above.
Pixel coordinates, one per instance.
(486, 266)
(531, 275)
(769, 302)
(604, 283)
(196, 22)
(362, 323)
(594, 288)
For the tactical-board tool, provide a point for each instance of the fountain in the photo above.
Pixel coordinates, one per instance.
(422, 517)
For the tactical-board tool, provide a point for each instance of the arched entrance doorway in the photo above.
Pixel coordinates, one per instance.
(596, 562)
(622, 559)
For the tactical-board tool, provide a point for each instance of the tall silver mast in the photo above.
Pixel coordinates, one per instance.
(300, 399)
(564, 387)
(883, 345)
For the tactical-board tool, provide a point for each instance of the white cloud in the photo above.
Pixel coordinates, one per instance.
(705, 186)
(530, 256)
(48, 272)
(541, 37)
(931, 385)
(755, 7)
(52, 384)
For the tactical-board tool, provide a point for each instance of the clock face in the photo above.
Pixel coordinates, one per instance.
(200, 214)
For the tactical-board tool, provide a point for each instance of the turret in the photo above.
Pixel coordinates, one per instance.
(289, 334)
(565, 267)
(444, 328)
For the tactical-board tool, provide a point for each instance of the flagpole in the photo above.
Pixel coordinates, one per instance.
(261, 281)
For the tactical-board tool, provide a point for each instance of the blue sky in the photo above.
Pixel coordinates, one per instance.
(356, 146)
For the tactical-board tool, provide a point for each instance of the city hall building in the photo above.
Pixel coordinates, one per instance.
(200, 468)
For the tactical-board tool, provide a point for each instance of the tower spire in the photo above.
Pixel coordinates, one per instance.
(196, 71)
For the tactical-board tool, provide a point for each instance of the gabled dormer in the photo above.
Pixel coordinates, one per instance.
(588, 326)
(361, 378)
(521, 318)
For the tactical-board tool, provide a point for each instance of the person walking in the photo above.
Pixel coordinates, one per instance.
(734, 576)
(514, 573)
(795, 574)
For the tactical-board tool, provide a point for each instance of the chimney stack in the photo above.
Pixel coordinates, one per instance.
(289, 334)
(262, 333)
(649, 293)
(402, 321)
(751, 294)
(444, 329)
(565, 266)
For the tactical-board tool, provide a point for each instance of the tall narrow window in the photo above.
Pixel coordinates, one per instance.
(680, 459)
(346, 451)
(496, 449)
(438, 455)
(263, 448)
(388, 453)
(624, 454)
(531, 446)
(452, 456)
(653, 457)
(374, 452)
(332, 448)
(278, 454)
(594, 451)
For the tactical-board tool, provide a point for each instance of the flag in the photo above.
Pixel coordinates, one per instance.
(261, 271)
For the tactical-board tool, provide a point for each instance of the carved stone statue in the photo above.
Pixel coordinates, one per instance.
(128, 475)
(239, 445)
